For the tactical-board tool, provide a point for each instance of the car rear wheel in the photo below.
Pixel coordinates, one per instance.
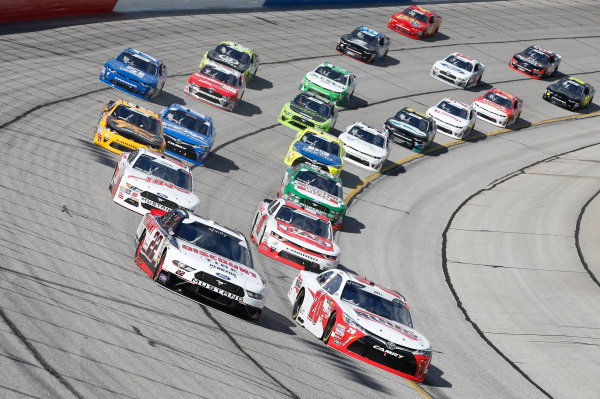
(328, 328)
(139, 248)
(298, 304)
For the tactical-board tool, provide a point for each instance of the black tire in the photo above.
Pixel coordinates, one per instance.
(139, 248)
(262, 233)
(298, 304)
(328, 329)
(384, 55)
(159, 266)
(590, 102)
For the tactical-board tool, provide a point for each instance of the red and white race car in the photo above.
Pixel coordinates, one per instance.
(217, 85)
(361, 319)
(201, 258)
(294, 235)
(453, 118)
(415, 22)
(498, 107)
(145, 180)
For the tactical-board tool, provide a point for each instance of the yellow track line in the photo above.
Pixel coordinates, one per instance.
(436, 147)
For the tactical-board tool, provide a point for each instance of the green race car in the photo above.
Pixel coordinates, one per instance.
(306, 111)
(235, 56)
(330, 82)
(312, 188)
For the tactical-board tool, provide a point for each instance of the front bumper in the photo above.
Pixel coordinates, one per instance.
(408, 141)
(357, 53)
(120, 82)
(449, 78)
(293, 255)
(296, 121)
(363, 160)
(185, 151)
(494, 118)
(213, 98)
(527, 70)
(405, 30)
(447, 129)
(559, 100)
(116, 143)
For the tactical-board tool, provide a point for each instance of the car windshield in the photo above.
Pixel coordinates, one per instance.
(220, 75)
(304, 221)
(332, 74)
(138, 63)
(240, 56)
(367, 136)
(319, 181)
(499, 99)
(365, 37)
(572, 86)
(459, 63)
(177, 176)
(537, 55)
(391, 309)
(453, 109)
(188, 121)
(216, 241)
(136, 118)
(413, 120)
(311, 103)
(321, 143)
(418, 15)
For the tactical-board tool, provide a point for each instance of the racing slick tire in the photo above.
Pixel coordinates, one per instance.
(384, 55)
(328, 329)
(139, 248)
(516, 119)
(262, 234)
(589, 102)
(298, 304)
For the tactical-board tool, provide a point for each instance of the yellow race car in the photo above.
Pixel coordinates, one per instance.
(318, 148)
(233, 55)
(124, 127)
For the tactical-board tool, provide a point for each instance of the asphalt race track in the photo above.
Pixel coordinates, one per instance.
(493, 241)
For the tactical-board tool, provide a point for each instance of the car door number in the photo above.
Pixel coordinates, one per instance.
(317, 307)
(151, 250)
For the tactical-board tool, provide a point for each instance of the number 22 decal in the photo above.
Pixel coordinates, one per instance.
(151, 250)
(317, 307)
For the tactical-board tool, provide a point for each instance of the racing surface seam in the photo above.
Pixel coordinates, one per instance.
(577, 231)
(38, 356)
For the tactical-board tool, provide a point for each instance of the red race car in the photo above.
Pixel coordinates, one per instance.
(217, 85)
(498, 107)
(415, 22)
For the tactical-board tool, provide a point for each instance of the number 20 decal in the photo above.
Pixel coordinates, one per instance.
(317, 307)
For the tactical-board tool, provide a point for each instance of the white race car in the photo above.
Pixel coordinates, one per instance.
(294, 235)
(201, 258)
(366, 146)
(361, 319)
(453, 118)
(146, 180)
(458, 71)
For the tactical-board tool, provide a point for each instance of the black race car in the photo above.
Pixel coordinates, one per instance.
(570, 93)
(364, 44)
(411, 129)
(536, 62)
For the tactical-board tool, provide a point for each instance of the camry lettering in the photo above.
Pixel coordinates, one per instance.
(387, 352)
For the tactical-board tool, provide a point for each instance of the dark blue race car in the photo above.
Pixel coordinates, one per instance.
(189, 134)
(136, 73)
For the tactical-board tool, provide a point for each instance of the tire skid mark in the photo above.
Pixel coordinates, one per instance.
(577, 231)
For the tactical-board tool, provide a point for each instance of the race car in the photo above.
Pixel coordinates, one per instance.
(294, 235)
(458, 71)
(366, 146)
(322, 149)
(136, 73)
(235, 56)
(536, 62)
(217, 85)
(570, 93)
(145, 180)
(364, 44)
(330, 82)
(415, 22)
(453, 118)
(189, 134)
(361, 319)
(411, 129)
(498, 107)
(125, 126)
(202, 258)
(312, 188)
(308, 111)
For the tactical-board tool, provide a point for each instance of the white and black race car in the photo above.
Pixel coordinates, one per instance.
(201, 258)
(145, 180)
(458, 71)
(453, 118)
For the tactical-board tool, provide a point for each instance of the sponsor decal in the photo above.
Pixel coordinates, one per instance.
(223, 276)
(337, 341)
(316, 192)
(305, 235)
(340, 329)
(387, 352)
(160, 182)
(161, 195)
(370, 316)
(222, 261)
(162, 278)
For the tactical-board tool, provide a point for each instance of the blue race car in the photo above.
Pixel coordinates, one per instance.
(189, 134)
(136, 73)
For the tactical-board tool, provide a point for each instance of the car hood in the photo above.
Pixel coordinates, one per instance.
(452, 68)
(317, 154)
(405, 127)
(220, 87)
(325, 82)
(134, 132)
(317, 195)
(447, 117)
(162, 188)
(409, 21)
(491, 106)
(223, 268)
(227, 60)
(530, 60)
(362, 146)
(564, 92)
(389, 330)
(131, 72)
(358, 43)
(304, 239)
(187, 135)
(307, 113)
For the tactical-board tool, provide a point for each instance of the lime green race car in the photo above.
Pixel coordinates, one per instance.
(315, 189)
(235, 56)
(330, 82)
(306, 111)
